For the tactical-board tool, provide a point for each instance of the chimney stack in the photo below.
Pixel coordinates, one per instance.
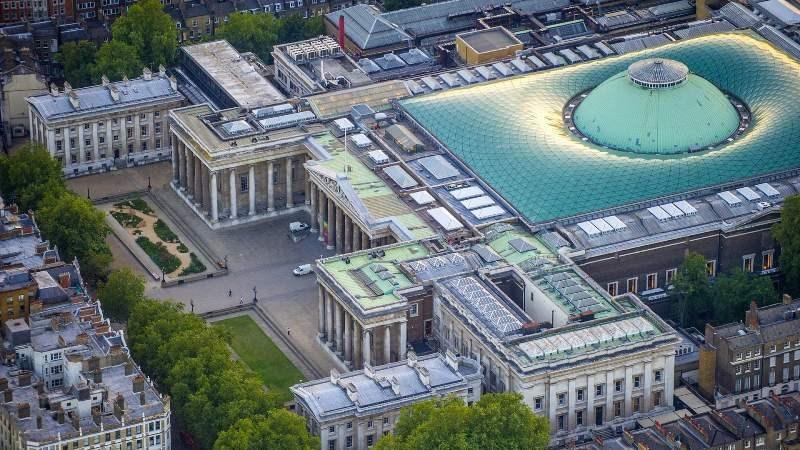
(395, 385)
(64, 280)
(751, 317)
(54, 90)
(787, 299)
(119, 406)
(67, 87)
(341, 31)
(142, 398)
(128, 368)
(74, 100)
(114, 92)
(161, 70)
(23, 410)
(104, 80)
(173, 83)
(138, 383)
(96, 415)
(60, 415)
(3, 384)
(8, 395)
(147, 74)
(44, 403)
(38, 422)
(24, 379)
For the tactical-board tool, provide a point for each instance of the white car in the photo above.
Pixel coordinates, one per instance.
(302, 269)
(296, 227)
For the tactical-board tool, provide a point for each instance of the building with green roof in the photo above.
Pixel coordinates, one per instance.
(630, 144)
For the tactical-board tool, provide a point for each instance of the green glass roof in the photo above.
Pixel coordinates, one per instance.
(511, 132)
(689, 116)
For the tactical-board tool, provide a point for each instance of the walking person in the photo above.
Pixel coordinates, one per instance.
(230, 293)
(241, 300)
(288, 331)
(191, 303)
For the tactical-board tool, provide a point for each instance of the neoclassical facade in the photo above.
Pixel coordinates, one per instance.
(231, 169)
(108, 126)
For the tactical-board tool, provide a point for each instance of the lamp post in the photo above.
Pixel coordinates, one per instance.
(255, 295)
(149, 186)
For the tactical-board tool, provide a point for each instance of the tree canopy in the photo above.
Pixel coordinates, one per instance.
(120, 293)
(787, 233)
(393, 5)
(691, 287)
(258, 33)
(29, 175)
(495, 422)
(211, 392)
(148, 29)
(278, 430)
(77, 59)
(117, 59)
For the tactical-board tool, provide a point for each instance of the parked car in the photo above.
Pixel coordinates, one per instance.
(296, 227)
(302, 269)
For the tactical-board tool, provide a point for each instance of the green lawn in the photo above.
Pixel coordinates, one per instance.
(260, 354)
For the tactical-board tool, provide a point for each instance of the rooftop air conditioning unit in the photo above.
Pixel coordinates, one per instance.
(763, 205)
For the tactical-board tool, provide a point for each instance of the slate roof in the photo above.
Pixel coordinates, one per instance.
(98, 98)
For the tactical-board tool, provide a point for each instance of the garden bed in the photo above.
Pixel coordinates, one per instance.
(159, 254)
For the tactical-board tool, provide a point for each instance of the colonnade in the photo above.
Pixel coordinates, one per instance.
(202, 186)
(355, 343)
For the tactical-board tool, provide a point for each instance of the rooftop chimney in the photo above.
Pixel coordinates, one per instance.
(161, 70)
(128, 368)
(44, 403)
(119, 406)
(38, 422)
(787, 299)
(138, 383)
(751, 317)
(395, 385)
(147, 74)
(125, 80)
(60, 415)
(23, 410)
(96, 415)
(341, 31)
(142, 398)
(424, 375)
(8, 395)
(63, 280)
(411, 359)
(53, 90)
(173, 83)
(352, 392)
(451, 359)
(114, 92)
(67, 87)
(104, 80)
(82, 338)
(335, 376)
(24, 379)
(3, 384)
(74, 100)
(75, 418)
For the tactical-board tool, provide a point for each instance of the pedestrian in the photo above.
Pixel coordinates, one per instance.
(230, 292)
(241, 300)
(191, 302)
(288, 331)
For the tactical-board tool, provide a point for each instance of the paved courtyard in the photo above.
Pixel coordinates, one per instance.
(259, 255)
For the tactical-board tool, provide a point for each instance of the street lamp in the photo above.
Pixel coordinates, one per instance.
(255, 295)
(87, 194)
(149, 187)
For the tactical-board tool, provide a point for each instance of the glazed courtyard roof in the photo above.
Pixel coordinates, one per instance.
(512, 133)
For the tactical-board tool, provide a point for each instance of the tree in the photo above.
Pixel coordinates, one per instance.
(787, 233)
(255, 33)
(120, 293)
(731, 294)
(115, 60)
(497, 421)
(313, 27)
(279, 430)
(393, 5)
(78, 230)
(691, 287)
(29, 175)
(148, 29)
(77, 58)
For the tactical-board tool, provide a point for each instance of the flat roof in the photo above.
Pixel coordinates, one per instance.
(512, 135)
(234, 74)
(496, 38)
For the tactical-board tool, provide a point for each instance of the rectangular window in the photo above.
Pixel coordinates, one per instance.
(369, 424)
(772, 361)
(637, 404)
(348, 442)
(579, 395)
(579, 418)
(598, 390)
(562, 399)
(670, 275)
(747, 263)
(612, 288)
(652, 281)
(143, 130)
(561, 422)
(766, 260)
(618, 409)
(332, 444)
(157, 126)
(243, 182)
(657, 398)
(414, 311)
(711, 268)
(618, 385)
(537, 403)
(786, 358)
(633, 284)
(657, 376)
(637, 381)
(370, 440)
(129, 133)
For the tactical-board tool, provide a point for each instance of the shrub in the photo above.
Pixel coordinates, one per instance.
(137, 204)
(163, 232)
(126, 220)
(159, 254)
(183, 248)
(196, 266)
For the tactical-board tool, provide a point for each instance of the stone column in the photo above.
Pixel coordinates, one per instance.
(51, 144)
(648, 385)
(669, 376)
(270, 186)
(181, 157)
(289, 199)
(214, 204)
(401, 342)
(339, 328)
(357, 358)
(366, 348)
(356, 238)
(589, 401)
(312, 197)
(331, 241)
(328, 318)
(387, 344)
(322, 204)
(628, 391)
(190, 174)
(198, 182)
(364, 241)
(205, 174)
(552, 403)
(571, 404)
(81, 145)
(609, 409)
(348, 339)
(321, 319)
(232, 185)
(137, 134)
(30, 125)
(339, 230)
(109, 139)
(348, 235)
(251, 190)
(96, 145)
